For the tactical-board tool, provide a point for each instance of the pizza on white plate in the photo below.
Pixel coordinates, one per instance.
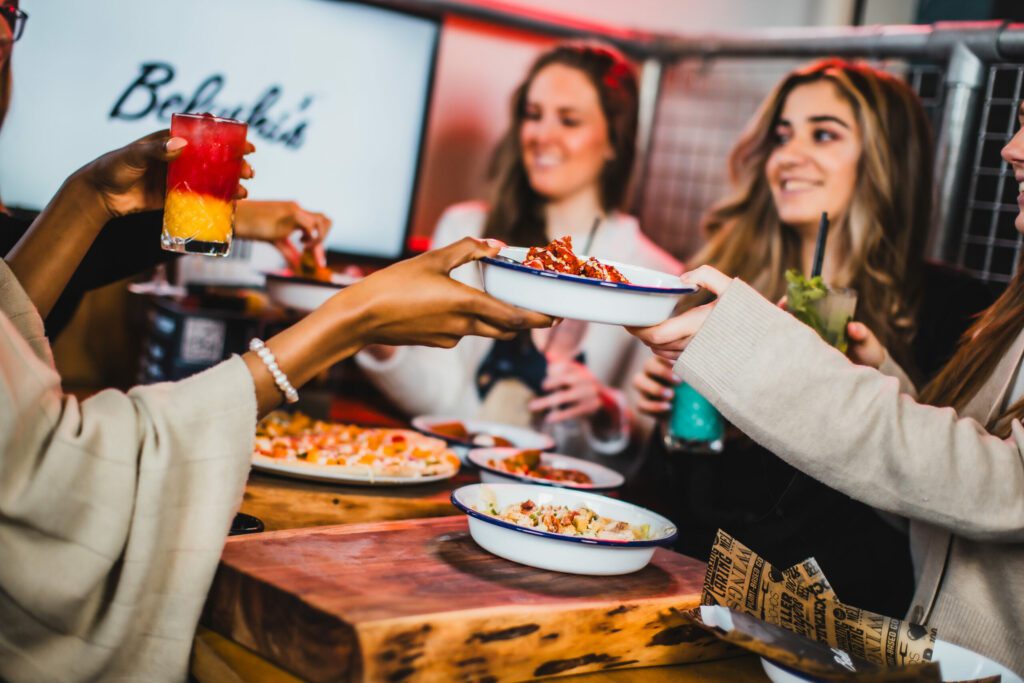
(361, 451)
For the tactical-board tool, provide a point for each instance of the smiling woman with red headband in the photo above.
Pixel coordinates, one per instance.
(957, 472)
(564, 161)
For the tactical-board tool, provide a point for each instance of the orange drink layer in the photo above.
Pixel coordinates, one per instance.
(199, 212)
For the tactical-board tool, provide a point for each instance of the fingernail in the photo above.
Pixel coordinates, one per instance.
(667, 393)
(174, 144)
(676, 378)
(491, 242)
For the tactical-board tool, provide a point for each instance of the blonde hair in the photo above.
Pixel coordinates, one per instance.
(879, 238)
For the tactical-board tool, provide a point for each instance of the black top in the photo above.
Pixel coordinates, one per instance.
(126, 246)
(787, 516)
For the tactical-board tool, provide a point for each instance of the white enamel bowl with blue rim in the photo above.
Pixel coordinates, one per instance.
(649, 300)
(556, 552)
(957, 664)
(520, 437)
(601, 477)
(304, 294)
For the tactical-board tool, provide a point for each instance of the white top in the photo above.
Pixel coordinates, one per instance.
(424, 380)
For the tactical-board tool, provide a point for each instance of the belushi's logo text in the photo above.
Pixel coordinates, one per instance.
(148, 95)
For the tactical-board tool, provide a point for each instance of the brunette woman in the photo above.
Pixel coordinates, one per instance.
(562, 168)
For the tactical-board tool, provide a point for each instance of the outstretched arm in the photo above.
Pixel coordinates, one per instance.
(846, 425)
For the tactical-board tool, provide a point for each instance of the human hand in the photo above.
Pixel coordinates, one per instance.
(417, 302)
(655, 384)
(134, 177)
(864, 347)
(668, 339)
(276, 221)
(571, 391)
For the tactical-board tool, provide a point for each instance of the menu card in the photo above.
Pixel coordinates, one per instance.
(800, 600)
(809, 657)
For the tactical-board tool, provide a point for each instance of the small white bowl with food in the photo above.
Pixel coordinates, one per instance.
(305, 293)
(506, 465)
(562, 530)
(464, 435)
(555, 281)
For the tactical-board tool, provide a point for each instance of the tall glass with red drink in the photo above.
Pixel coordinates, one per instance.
(199, 212)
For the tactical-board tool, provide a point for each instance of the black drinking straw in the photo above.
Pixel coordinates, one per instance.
(819, 246)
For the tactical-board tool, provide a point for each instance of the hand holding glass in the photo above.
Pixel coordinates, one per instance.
(199, 212)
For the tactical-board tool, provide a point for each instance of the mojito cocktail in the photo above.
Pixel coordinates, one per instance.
(828, 310)
(199, 212)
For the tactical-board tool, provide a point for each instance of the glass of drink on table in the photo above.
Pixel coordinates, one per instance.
(199, 212)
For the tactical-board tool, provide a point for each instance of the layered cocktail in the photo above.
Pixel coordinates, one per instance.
(199, 213)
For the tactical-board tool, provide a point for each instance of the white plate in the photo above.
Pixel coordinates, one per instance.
(330, 473)
(339, 475)
(648, 301)
(555, 552)
(304, 294)
(521, 437)
(957, 664)
(601, 477)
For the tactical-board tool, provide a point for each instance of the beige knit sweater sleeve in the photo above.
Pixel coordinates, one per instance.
(113, 510)
(850, 426)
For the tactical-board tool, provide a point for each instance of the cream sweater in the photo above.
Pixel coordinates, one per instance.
(113, 511)
(422, 380)
(851, 428)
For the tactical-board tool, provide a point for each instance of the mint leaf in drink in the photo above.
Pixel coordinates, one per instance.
(801, 295)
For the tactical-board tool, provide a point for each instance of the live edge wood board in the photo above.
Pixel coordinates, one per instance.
(418, 600)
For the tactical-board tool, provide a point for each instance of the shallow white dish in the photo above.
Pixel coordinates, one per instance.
(342, 475)
(555, 552)
(521, 437)
(648, 301)
(601, 477)
(304, 294)
(957, 664)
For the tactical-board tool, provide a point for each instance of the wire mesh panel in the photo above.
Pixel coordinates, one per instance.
(990, 246)
(703, 108)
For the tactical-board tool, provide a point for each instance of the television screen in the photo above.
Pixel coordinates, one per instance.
(335, 94)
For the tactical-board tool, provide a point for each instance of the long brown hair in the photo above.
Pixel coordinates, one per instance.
(978, 354)
(881, 235)
(516, 212)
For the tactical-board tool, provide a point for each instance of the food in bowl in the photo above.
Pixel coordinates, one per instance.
(558, 256)
(528, 463)
(459, 432)
(578, 521)
(538, 547)
(296, 437)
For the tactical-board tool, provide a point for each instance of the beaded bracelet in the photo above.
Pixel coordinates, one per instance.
(280, 379)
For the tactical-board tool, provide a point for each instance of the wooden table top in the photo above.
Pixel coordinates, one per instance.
(216, 659)
(283, 503)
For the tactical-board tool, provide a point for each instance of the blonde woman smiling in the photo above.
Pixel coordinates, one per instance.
(851, 141)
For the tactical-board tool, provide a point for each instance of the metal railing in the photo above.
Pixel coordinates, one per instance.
(959, 69)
